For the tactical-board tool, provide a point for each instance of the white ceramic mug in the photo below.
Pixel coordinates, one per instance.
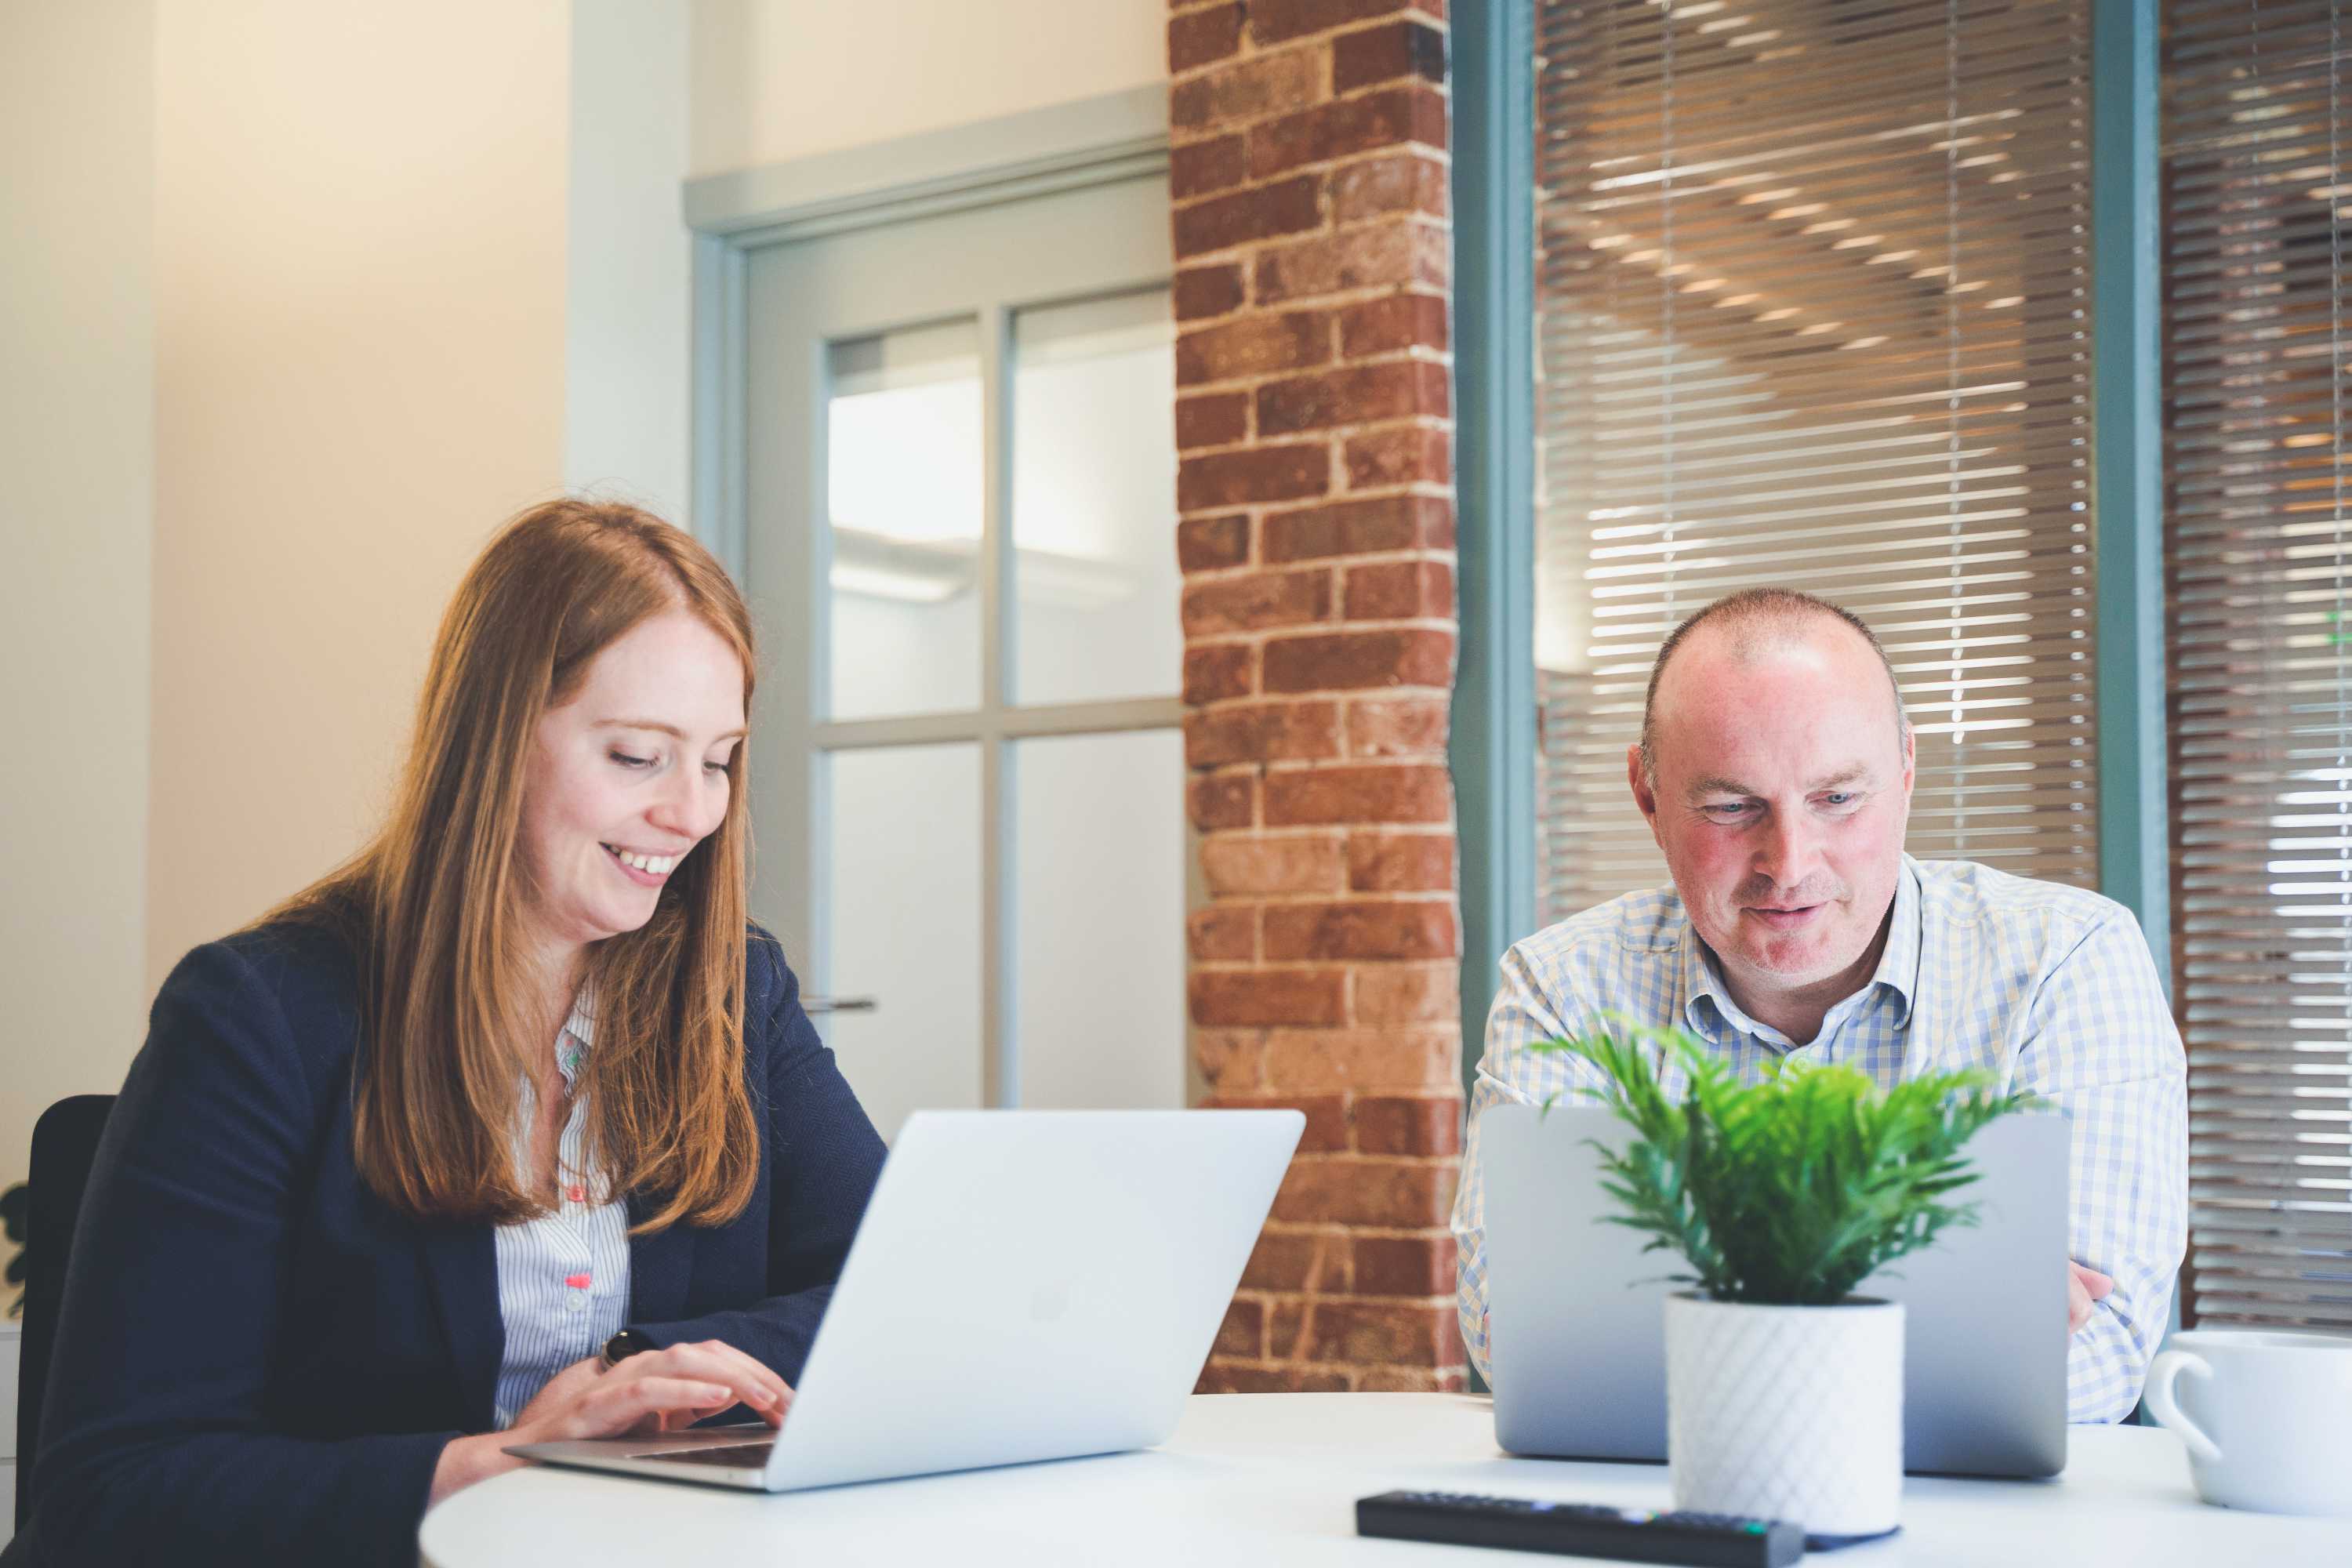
(2269, 1418)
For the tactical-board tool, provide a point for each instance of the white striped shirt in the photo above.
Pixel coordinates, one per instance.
(2049, 988)
(564, 1277)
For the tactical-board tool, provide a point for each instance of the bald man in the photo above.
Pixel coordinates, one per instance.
(1775, 771)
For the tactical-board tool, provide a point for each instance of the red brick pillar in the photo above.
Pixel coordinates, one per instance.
(1314, 420)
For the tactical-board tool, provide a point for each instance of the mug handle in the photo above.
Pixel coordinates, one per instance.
(2169, 1365)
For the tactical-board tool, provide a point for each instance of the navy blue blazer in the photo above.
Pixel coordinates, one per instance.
(259, 1361)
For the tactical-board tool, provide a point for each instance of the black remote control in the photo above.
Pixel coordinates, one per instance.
(1581, 1529)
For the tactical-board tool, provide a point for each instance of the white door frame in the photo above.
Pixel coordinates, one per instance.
(1116, 138)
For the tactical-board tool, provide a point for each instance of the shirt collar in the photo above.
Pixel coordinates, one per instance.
(1898, 966)
(1708, 1002)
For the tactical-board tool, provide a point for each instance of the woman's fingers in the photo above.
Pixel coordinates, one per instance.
(753, 1383)
(620, 1406)
(775, 1393)
(661, 1391)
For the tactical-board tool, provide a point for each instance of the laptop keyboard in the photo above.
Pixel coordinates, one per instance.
(734, 1455)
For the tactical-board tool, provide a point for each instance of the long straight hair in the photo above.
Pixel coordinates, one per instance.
(435, 905)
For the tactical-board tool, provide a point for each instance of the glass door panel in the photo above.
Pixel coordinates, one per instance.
(904, 482)
(902, 911)
(1098, 888)
(1094, 489)
(957, 472)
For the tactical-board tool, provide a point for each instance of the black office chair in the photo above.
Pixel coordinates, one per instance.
(65, 1142)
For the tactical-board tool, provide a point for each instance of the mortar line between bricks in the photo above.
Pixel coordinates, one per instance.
(1415, 287)
(1403, 553)
(1332, 169)
(1313, 629)
(1328, 896)
(1434, 553)
(1306, 1229)
(1425, 491)
(1251, 53)
(1336, 164)
(1436, 490)
(1404, 12)
(1294, 765)
(1322, 629)
(1287, 832)
(1320, 695)
(1309, 1298)
(1335, 299)
(1255, 382)
(1251, 50)
(1357, 1157)
(1285, 1365)
(1411, 354)
(1319, 966)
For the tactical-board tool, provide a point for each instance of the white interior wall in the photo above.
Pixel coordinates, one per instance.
(300, 302)
(776, 79)
(628, 311)
(78, 449)
(360, 248)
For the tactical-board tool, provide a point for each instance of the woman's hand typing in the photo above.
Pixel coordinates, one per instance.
(653, 1392)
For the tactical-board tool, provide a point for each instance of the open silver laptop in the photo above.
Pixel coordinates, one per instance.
(1576, 1319)
(1025, 1285)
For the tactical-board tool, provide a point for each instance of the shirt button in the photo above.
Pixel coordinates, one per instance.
(578, 1195)
(576, 1302)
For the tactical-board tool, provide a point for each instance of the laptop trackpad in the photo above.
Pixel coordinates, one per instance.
(729, 1455)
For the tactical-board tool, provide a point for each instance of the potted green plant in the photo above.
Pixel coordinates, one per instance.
(1784, 1389)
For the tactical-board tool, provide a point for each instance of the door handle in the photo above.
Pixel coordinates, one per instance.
(838, 1004)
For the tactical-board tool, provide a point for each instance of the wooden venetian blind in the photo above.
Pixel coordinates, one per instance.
(2255, 140)
(1814, 290)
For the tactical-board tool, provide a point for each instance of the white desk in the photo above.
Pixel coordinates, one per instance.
(1272, 1478)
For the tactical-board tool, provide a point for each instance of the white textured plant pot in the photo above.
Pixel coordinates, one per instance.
(1791, 1413)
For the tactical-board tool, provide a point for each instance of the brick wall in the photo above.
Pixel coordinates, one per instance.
(1314, 418)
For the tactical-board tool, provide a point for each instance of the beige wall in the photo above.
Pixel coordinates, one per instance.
(77, 448)
(360, 233)
(775, 79)
(628, 294)
(286, 325)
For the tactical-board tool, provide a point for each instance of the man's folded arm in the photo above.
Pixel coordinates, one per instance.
(2101, 1046)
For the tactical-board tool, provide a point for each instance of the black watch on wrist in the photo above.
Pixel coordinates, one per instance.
(622, 1346)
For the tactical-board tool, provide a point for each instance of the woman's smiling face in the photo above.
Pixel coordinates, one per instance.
(629, 776)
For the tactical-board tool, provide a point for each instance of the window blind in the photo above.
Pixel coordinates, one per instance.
(2254, 139)
(1813, 293)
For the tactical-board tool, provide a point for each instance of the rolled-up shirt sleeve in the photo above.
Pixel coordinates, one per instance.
(2100, 1045)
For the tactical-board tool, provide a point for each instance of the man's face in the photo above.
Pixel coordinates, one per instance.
(1781, 790)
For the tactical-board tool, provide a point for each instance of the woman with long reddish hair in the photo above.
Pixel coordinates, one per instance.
(511, 1130)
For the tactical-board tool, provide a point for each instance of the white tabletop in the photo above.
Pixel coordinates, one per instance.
(1272, 1478)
